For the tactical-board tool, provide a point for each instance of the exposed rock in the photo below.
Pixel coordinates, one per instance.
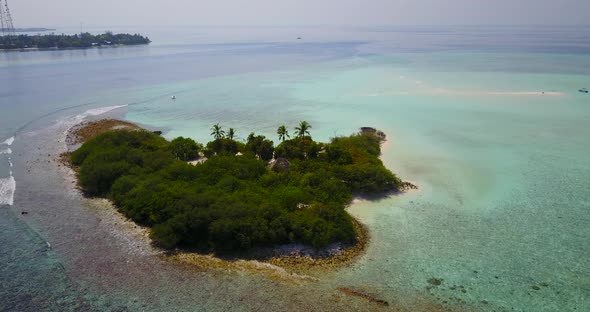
(305, 259)
(373, 131)
(406, 186)
(87, 130)
(368, 130)
(280, 165)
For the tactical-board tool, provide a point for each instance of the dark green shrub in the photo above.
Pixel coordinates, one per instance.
(230, 202)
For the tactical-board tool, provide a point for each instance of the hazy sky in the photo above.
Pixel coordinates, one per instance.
(297, 12)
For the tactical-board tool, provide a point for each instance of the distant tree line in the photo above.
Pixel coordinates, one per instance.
(83, 40)
(236, 199)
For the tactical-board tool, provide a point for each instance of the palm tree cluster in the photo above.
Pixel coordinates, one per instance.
(218, 133)
(301, 131)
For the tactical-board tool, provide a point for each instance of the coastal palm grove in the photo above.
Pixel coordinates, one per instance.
(241, 195)
(82, 40)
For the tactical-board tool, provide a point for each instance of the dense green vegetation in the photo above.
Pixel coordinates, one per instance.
(83, 40)
(235, 202)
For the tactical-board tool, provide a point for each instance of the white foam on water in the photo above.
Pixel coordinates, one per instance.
(6, 151)
(7, 188)
(8, 184)
(8, 141)
(91, 112)
(67, 124)
(101, 110)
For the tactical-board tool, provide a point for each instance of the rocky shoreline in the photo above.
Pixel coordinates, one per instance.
(86, 130)
(329, 258)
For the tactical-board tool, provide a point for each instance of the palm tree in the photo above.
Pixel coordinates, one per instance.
(217, 132)
(303, 129)
(231, 133)
(283, 133)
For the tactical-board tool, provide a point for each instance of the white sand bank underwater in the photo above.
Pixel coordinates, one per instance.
(519, 93)
(468, 93)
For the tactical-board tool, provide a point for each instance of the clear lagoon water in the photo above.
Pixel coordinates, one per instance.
(488, 121)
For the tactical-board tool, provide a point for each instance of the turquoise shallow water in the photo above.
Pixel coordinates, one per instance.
(502, 170)
(503, 187)
(501, 216)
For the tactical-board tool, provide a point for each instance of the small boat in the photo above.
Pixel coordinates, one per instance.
(583, 90)
(174, 97)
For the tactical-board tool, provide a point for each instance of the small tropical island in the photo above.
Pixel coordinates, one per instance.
(230, 197)
(77, 41)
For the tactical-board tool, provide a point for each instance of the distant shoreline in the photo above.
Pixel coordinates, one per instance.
(72, 48)
(32, 29)
(52, 41)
